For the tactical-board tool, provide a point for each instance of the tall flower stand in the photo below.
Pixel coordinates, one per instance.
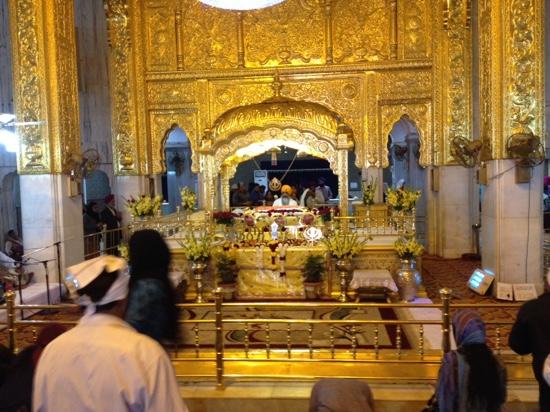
(343, 266)
(198, 268)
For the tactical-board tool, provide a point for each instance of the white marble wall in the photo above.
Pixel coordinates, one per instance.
(512, 225)
(49, 215)
(453, 214)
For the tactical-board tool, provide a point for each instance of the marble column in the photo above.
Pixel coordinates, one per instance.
(49, 215)
(512, 225)
(452, 212)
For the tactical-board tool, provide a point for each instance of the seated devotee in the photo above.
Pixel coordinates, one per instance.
(256, 197)
(103, 364)
(241, 196)
(308, 196)
(285, 199)
(470, 378)
(151, 300)
(342, 395)
(14, 246)
(16, 390)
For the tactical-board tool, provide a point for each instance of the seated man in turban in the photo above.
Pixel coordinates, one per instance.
(103, 364)
(285, 199)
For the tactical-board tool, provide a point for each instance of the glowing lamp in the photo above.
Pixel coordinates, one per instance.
(481, 281)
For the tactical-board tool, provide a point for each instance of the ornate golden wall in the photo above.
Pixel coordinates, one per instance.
(45, 83)
(370, 61)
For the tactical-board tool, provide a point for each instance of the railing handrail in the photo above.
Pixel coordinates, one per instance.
(446, 307)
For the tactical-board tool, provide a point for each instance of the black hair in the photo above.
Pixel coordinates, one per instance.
(98, 287)
(486, 383)
(149, 258)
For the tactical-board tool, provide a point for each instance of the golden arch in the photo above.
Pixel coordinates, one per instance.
(246, 131)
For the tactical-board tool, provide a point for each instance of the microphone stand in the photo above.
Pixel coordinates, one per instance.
(58, 253)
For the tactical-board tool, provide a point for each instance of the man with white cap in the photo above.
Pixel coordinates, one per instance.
(103, 364)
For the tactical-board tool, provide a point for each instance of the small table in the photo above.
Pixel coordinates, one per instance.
(370, 282)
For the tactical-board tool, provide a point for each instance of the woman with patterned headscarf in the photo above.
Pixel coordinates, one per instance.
(471, 379)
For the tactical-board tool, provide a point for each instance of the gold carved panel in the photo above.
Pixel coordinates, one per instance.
(415, 32)
(360, 30)
(289, 33)
(209, 37)
(171, 93)
(160, 35)
(45, 91)
(524, 70)
(420, 114)
(406, 84)
(457, 71)
(225, 95)
(161, 121)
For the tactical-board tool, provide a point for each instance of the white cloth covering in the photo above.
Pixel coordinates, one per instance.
(103, 364)
(82, 274)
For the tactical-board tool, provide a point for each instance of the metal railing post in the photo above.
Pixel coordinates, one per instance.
(10, 306)
(445, 294)
(219, 338)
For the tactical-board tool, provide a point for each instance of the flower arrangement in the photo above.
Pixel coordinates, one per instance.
(324, 212)
(408, 248)
(342, 244)
(314, 268)
(188, 198)
(369, 191)
(144, 205)
(402, 199)
(224, 218)
(197, 248)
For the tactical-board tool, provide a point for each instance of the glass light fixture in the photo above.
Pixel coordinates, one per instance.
(241, 4)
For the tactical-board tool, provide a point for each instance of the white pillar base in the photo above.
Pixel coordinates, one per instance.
(48, 216)
(453, 212)
(512, 225)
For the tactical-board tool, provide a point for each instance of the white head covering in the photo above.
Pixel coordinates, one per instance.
(82, 274)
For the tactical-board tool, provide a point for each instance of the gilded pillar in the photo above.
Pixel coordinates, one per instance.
(45, 84)
(46, 108)
(126, 159)
(512, 88)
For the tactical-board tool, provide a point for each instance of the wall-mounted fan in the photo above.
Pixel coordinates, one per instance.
(466, 152)
(79, 165)
(526, 149)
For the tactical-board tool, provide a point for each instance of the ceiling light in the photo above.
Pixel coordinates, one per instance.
(241, 4)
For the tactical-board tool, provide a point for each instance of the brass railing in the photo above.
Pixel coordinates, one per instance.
(245, 360)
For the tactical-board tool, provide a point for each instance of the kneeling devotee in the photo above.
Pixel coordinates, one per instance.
(103, 364)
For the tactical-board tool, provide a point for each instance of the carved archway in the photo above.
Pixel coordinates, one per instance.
(302, 125)
(419, 114)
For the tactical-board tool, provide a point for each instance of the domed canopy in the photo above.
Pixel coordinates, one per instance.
(278, 111)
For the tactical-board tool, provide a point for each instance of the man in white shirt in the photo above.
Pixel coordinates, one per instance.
(103, 364)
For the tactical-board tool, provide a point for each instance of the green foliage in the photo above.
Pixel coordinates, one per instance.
(227, 268)
(314, 268)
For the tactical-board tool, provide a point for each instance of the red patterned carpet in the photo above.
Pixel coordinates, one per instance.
(438, 273)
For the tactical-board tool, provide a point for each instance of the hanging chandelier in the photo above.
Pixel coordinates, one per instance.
(241, 4)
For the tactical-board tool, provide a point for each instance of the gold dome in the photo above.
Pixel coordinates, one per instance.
(277, 111)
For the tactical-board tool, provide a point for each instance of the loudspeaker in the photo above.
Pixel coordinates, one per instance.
(481, 281)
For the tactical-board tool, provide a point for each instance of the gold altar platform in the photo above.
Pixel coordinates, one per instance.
(260, 278)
